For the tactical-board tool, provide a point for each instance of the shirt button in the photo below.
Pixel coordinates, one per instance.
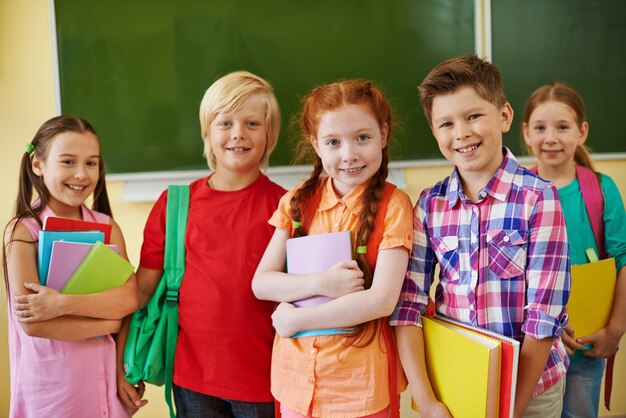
(473, 239)
(471, 308)
(336, 225)
(442, 247)
(474, 274)
(313, 352)
(483, 193)
(506, 238)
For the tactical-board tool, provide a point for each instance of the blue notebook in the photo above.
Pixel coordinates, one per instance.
(46, 238)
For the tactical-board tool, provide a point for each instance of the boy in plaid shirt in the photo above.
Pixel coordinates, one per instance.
(498, 234)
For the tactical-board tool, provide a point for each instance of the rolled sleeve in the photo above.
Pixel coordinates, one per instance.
(420, 274)
(548, 269)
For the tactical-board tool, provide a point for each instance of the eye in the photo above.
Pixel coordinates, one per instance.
(253, 124)
(539, 128)
(445, 125)
(93, 163)
(363, 138)
(223, 124)
(332, 142)
(474, 116)
(563, 127)
(67, 162)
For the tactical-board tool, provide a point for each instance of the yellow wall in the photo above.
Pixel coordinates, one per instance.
(26, 100)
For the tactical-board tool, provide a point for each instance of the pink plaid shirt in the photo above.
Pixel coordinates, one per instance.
(504, 260)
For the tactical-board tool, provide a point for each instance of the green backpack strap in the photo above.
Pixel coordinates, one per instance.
(174, 269)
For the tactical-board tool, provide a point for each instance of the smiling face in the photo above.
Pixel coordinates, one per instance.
(349, 142)
(553, 133)
(468, 130)
(70, 171)
(238, 139)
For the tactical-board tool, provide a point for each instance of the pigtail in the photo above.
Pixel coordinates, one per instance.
(303, 194)
(583, 157)
(100, 196)
(361, 336)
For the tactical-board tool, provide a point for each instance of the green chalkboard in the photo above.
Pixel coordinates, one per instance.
(138, 69)
(580, 42)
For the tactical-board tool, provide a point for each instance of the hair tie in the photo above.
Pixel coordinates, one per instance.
(361, 249)
(30, 148)
(296, 224)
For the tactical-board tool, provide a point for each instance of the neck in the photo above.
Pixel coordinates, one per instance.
(64, 211)
(229, 181)
(560, 176)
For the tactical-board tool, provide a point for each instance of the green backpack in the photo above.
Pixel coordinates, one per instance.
(149, 353)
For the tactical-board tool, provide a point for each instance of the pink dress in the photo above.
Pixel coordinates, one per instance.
(54, 378)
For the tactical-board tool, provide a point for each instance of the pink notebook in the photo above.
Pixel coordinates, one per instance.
(64, 259)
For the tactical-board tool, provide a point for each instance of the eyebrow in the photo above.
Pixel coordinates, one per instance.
(74, 155)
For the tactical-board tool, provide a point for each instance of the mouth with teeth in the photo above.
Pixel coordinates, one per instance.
(237, 149)
(353, 170)
(75, 187)
(468, 149)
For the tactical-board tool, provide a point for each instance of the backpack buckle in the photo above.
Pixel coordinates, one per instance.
(171, 296)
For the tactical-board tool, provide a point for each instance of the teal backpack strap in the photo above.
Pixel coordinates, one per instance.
(176, 225)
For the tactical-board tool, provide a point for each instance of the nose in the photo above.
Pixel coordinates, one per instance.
(461, 131)
(80, 172)
(349, 152)
(237, 131)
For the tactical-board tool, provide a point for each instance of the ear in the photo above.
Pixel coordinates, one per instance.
(384, 133)
(584, 132)
(506, 117)
(316, 146)
(525, 133)
(37, 166)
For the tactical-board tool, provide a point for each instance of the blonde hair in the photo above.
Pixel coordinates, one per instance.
(562, 93)
(228, 94)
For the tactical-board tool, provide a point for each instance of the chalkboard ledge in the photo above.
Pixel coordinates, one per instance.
(146, 187)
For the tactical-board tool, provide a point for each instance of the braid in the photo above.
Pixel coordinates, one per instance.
(371, 200)
(303, 194)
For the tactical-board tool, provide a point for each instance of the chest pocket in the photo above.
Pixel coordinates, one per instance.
(446, 250)
(508, 250)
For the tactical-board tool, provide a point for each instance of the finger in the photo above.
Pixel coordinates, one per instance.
(35, 287)
(17, 298)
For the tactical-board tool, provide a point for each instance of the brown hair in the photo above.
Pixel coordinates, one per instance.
(25, 206)
(562, 93)
(319, 101)
(468, 70)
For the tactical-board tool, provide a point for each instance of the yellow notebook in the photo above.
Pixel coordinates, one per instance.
(591, 298)
(101, 269)
(463, 369)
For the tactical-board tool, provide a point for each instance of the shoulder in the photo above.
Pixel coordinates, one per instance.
(609, 187)
(437, 191)
(19, 230)
(271, 188)
(531, 184)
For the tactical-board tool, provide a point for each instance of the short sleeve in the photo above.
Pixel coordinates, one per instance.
(153, 246)
(281, 217)
(398, 222)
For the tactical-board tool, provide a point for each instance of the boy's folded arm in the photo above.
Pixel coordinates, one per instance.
(532, 362)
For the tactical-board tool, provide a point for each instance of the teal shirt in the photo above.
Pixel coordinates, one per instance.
(579, 231)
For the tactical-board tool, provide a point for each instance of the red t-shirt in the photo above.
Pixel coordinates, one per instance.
(226, 334)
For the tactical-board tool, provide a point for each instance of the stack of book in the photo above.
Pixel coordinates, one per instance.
(473, 371)
(74, 258)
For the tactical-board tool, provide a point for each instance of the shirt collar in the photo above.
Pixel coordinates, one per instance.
(352, 200)
(498, 187)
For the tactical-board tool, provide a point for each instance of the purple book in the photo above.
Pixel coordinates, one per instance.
(64, 259)
(313, 254)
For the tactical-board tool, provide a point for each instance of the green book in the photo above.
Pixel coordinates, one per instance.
(101, 269)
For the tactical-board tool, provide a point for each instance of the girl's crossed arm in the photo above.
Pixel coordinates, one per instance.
(270, 281)
(37, 305)
(351, 308)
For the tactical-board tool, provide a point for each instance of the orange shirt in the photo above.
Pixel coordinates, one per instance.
(323, 373)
